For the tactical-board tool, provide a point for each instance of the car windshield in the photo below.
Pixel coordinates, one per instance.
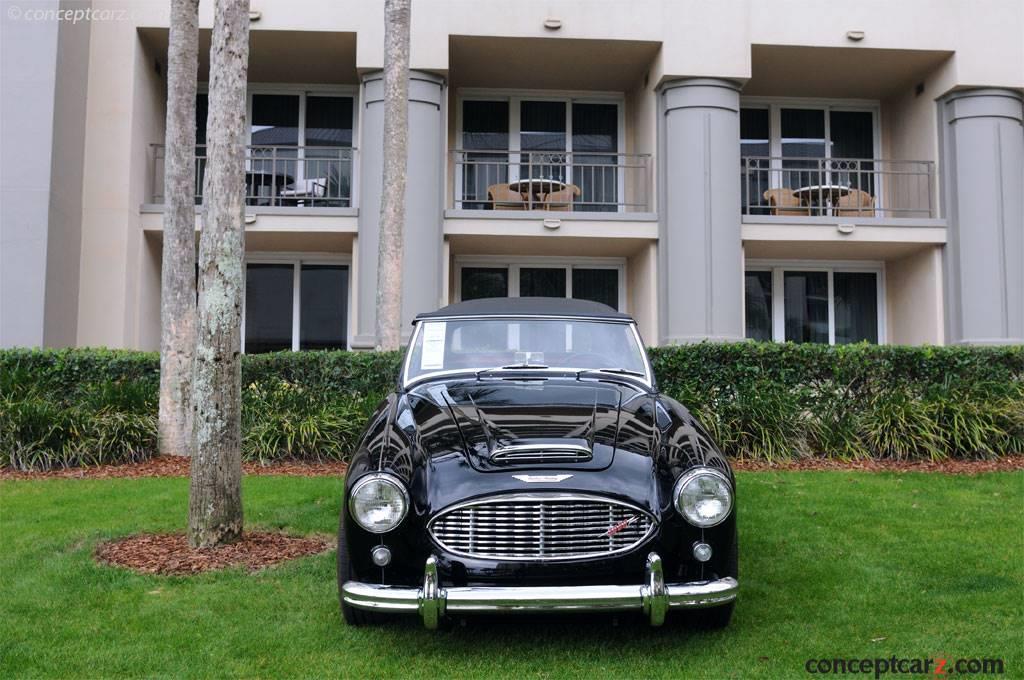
(482, 344)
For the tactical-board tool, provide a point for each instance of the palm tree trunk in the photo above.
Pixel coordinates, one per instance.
(396, 145)
(215, 500)
(177, 274)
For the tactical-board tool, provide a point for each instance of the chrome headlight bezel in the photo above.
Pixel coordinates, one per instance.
(378, 478)
(688, 477)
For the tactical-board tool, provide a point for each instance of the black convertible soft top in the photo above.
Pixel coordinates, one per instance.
(527, 306)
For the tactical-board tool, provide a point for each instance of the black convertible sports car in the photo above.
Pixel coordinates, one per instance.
(527, 463)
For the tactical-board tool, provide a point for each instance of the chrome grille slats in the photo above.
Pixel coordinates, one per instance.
(541, 526)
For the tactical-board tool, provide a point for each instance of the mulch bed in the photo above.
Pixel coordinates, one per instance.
(171, 554)
(178, 466)
(952, 467)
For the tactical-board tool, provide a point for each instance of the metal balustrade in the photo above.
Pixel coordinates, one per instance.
(565, 181)
(281, 176)
(842, 187)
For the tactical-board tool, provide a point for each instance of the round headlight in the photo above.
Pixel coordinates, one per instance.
(703, 496)
(378, 502)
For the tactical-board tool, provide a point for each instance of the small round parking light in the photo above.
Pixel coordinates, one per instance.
(701, 552)
(381, 556)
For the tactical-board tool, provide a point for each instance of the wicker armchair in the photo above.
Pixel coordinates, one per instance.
(784, 202)
(503, 198)
(561, 199)
(856, 203)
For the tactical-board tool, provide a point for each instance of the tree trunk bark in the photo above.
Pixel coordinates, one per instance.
(215, 501)
(396, 145)
(177, 273)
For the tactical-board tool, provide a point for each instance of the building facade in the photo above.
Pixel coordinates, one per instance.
(783, 170)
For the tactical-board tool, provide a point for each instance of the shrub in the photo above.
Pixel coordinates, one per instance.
(759, 400)
(285, 420)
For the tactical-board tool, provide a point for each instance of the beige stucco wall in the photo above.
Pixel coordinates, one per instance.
(701, 38)
(913, 287)
(123, 115)
(642, 291)
(66, 174)
(123, 112)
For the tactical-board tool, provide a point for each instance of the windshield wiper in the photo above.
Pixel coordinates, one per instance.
(509, 367)
(619, 371)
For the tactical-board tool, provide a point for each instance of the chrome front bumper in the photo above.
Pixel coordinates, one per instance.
(654, 597)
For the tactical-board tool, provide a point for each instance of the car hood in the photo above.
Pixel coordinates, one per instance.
(539, 424)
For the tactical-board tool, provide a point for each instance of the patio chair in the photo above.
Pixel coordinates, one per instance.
(303, 191)
(561, 199)
(784, 202)
(855, 203)
(503, 198)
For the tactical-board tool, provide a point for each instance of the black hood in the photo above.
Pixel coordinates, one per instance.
(552, 423)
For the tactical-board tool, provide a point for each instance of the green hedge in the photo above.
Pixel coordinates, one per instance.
(760, 400)
(770, 400)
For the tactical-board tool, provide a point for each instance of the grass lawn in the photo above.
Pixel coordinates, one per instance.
(833, 564)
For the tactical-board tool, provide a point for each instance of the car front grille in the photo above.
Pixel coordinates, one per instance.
(541, 526)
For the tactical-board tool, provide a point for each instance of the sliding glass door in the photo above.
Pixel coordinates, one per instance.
(301, 149)
(595, 144)
(274, 135)
(485, 137)
(295, 305)
(543, 140)
(823, 153)
(327, 144)
(828, 305)
(755, 151)
(802, 137)
(539, 146)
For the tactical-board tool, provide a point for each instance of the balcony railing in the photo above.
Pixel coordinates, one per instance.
(280, 176)
(841, 187)
(565, 181)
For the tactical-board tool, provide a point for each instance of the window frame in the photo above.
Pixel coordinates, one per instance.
(774, 106)
(297, 260)
(302, 90)
(515, 264)
(514, 97)
(830, 267)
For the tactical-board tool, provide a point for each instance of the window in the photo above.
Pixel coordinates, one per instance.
(542, 282)
(795, 145)
(484, 282)
(805, 301)
(596, 285)
(758, 290)
(560, 139)
(755, 149)
(856, 302)
(301, 148)
(485, 127)
(598, 280)
(294, 304)
(836, 304)
(269, 304)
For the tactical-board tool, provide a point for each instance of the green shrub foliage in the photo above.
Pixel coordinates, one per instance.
(768, 401)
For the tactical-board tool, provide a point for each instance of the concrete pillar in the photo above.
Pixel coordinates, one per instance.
(423, 271)
(983, 182)
(700, 260)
